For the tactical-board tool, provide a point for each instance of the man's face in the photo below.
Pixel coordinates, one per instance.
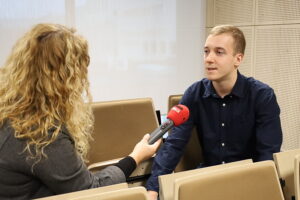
(219, 59)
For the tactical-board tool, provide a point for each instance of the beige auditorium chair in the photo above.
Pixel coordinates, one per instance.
(119, 126)
(135, 193)
(285, 166)
(85, 194)
(166, 182)
(255, 181)
(297, 176)
(193, 153)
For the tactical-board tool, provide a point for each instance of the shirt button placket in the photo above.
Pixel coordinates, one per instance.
(223, 105)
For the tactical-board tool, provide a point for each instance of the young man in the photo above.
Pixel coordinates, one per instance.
(236, 117)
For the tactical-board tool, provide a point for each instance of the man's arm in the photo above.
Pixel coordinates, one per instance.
(268, 127)
(169, 155)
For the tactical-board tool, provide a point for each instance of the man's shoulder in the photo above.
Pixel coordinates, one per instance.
(257, 85)
(200, 84)
(257, 89)
(195, 91)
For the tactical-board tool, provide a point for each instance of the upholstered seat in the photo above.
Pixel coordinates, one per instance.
(86, 194)
(254, 181)
(119, 126)
(297, 176)
(285, 166)
(166, 182)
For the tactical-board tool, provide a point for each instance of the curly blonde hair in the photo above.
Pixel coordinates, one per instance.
(44, 86)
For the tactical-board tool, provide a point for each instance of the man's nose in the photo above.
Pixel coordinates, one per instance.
(209, 57)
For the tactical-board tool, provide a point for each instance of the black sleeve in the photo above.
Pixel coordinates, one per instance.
(127, 165)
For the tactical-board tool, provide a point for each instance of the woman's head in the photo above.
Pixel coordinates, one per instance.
(44, 85)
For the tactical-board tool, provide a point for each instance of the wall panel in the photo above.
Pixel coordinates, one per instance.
(277, 12)
(277, 62)
(233, 12)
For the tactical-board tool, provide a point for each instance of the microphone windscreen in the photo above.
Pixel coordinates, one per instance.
(179, 114)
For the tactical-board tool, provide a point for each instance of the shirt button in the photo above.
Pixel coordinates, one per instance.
(223, 144)
(222, 124)
(224, 104)
(223, 162)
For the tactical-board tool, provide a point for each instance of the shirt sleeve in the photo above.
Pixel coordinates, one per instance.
(170, 153)
(64, 171)
(268, 127)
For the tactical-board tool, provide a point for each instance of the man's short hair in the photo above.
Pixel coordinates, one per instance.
(236, 33)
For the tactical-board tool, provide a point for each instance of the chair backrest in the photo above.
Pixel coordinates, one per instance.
(285, 166)
(297, 176)
(135, 193)
(174, 100)
(86, 193)
(166, 182)
(257, 181)
(193, 153)
(119, 125)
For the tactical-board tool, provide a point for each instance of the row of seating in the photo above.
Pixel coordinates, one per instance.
(238, 180)
(241, 180)
(128, 120)
(113, 192)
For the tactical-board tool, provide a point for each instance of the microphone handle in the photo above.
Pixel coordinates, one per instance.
(160, 131)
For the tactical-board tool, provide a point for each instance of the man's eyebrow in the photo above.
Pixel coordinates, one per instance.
(207, 47)
(220, 48)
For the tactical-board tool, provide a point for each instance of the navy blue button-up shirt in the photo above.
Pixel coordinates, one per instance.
(243, 125)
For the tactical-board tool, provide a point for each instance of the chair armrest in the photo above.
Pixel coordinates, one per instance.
(101, 165)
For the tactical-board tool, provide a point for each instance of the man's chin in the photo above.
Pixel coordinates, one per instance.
(212, 77)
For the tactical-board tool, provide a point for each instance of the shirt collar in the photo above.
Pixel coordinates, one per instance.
(239, 86)
(209, 90)
(237, 90)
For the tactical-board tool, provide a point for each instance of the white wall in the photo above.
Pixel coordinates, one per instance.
(138, 48)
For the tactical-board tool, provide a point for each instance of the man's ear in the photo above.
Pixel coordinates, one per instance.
(238, 59)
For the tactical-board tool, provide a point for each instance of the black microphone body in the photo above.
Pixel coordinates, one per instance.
(160, 131)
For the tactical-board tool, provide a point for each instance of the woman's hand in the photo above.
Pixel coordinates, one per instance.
(143, 151)
(152, 195)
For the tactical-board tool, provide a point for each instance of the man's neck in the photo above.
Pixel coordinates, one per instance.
(224, 87)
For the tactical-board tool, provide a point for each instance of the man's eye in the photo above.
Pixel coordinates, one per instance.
(220, 52)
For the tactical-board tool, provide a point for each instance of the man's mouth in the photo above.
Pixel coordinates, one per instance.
(211, 68)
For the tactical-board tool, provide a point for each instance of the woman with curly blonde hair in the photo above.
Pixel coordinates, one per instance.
(46, 119)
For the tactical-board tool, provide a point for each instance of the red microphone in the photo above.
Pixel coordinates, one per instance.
(176, 116)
